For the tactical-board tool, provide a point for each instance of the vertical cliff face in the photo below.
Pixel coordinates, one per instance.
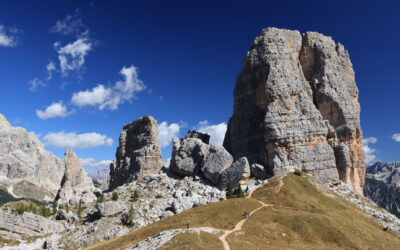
(138, 152)
(295, 106)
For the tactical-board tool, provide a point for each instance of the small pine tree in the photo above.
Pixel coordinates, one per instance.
(131, 216)
(114, 196)
(55, 205)
(240, 191)
(79, 211)
(135, 195)
(247, 189)
(21, 209)
(229, 190)
(102, 197)
(45, 211)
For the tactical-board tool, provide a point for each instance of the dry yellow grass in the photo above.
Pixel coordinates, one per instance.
(187, 241)
(222, 215)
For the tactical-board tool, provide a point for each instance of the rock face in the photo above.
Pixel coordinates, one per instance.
(138, 152)
(382, 185)
(258, 171)
(27, 224)
(194, 134)
(216, 161)
(75, 185)
(238, 171)
(25, 166)
(296, 106)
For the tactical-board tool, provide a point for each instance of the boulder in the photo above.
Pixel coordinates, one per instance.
(75, 185)
(68, 216)
(216, 160)
(295, 105)
(239, 170)
(110, 208)
(258, 171)
(187, 156)
(138, 152)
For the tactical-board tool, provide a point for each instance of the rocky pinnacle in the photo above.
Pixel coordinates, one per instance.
(296, 106)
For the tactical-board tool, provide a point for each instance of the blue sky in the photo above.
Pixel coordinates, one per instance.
(176, 61)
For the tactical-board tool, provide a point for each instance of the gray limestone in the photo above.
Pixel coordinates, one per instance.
(258, 171)
(138, 152)
(215, 162)
(295, 104)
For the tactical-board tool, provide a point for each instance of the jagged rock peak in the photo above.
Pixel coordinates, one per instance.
(138, 152)
(26, 168)
(75, 185)
(3, 121)
(296, 106)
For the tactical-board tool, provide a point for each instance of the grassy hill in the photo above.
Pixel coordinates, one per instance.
(297, 215)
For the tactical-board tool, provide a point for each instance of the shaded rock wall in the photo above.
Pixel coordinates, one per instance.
(296, 106)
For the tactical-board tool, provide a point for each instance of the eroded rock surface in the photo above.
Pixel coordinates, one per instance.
(26, 168)
(75, 185)
(26, 224)
(138, 152)
(296, 106)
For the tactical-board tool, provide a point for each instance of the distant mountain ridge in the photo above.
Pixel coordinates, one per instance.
(382, 185)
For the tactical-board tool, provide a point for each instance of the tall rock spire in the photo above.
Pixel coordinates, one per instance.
(296, 106)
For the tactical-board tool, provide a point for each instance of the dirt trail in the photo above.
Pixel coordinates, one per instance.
(238, 225)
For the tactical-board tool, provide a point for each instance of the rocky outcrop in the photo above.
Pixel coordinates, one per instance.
(382, 185)
(109, 208)
(25, 166)
(194, 134)
(296, 106)
(26, 224)
(193, 157)
(138, 152)
(75, 185)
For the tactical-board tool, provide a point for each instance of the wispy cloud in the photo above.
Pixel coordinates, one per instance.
(369, 152)
(396, 137)
(56, 109)
(111, 97)
(73, 140)
(92, 163)
(167, 132)
(50, 68)
(8, 37)
(72, 56)
(35, 83)
(216, 132)
(71, 24)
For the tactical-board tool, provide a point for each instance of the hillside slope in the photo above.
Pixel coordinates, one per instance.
(289, 212)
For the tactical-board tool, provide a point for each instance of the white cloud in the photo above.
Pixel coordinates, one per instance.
(8, 38)
(369, 152)
(72, 55)
(36, 83)
(56, 109)
(167, 132)
(50, 68)
(110, 98)
(73, 140)
(216, 132)
(396, 137)
(71, 24)
(92, 163)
